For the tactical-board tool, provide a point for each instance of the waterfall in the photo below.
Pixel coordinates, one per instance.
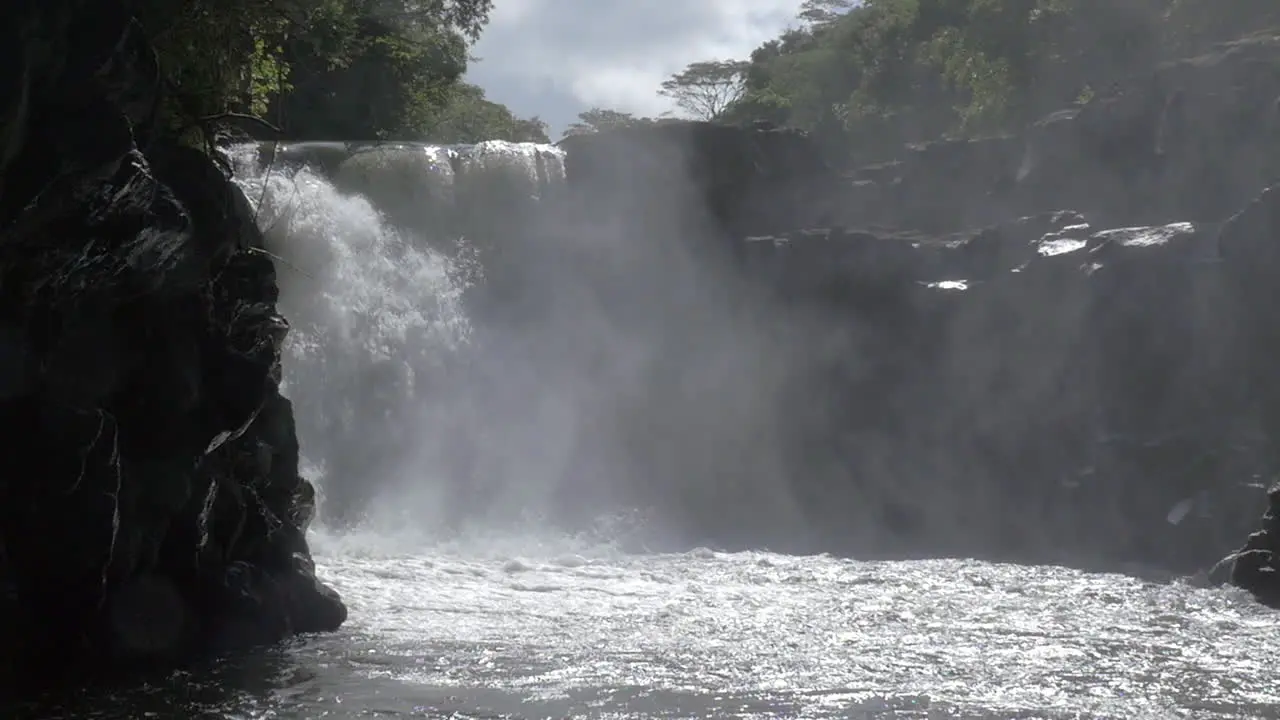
(479, 346)
(376, 249)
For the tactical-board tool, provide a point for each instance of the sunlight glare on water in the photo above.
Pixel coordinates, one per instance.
(513, 627)
(713, 635)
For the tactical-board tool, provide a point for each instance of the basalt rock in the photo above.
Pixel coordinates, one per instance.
(1054, 392)
(1255, 567)
(746, 180)
(1052, 346)
(150, 503)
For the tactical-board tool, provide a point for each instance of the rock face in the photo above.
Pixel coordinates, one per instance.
(1055, 346)
(150, 502)
(1254, 566)
(750, 181)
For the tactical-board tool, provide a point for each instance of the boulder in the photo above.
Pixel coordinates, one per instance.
(1255, 567)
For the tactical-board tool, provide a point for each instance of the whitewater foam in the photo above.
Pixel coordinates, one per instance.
(375, 312)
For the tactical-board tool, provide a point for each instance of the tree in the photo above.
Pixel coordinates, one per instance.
(706, 89)
(373, 69)
(865, 76)
(320, 69)
(468, 116)
(597, 119)
(821, 13)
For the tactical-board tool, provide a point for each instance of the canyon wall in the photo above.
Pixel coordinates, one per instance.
(1057, 346)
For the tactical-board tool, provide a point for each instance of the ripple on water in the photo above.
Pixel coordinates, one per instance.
(538, 631)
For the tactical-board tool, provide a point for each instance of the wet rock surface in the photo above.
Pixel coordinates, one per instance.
(149, 492)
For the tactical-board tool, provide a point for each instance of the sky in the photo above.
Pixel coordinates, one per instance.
(556, 58)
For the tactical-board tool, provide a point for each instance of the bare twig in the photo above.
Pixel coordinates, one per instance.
(266, 180)
(239, 116)
(277, 258)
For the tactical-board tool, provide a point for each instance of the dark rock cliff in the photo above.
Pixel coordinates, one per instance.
(150, 502)
(1055, 346)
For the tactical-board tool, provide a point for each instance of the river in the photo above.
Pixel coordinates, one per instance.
(494, 627)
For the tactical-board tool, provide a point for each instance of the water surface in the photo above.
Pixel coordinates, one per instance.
(526, 629)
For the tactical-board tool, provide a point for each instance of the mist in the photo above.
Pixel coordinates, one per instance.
(694, 335)
(523, 352)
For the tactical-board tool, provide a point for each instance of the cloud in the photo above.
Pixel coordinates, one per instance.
(555, 58)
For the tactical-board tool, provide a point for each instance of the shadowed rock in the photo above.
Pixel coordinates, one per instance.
(151, 497)
(1056, 346)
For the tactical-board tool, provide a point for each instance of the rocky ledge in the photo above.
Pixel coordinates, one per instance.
(1055, 346)
(150, 503)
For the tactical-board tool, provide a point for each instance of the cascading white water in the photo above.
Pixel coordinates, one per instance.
(375, 295)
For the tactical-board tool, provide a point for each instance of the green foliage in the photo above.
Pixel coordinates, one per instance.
(598, 119)
(706, 89)
(467, 116)
(818, 13)
(268, 75)
(866, 76)
(329, 69)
